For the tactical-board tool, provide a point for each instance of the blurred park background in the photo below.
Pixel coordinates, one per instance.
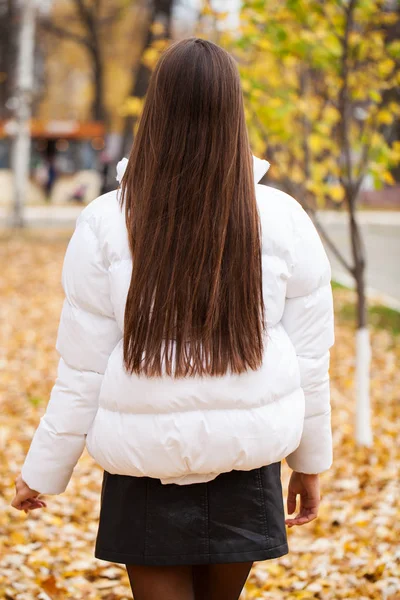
(321, 83)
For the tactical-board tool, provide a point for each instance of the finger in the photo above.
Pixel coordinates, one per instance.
(19, 502)
(31, 506)
(291, 502)
(34, 507)
(296, 521)
(305, 514)
(24, 494)
(35, 501)
(301, 519)
(310, 514)
(31, 501)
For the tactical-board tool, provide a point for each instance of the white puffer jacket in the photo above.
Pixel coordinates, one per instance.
(191, 429)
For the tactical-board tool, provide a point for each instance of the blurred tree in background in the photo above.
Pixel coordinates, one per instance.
(91, 49)
(8, 47)
(90, 25)
(316, 77)
(155, 38)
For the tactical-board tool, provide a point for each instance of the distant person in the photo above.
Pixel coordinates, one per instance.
(79, 193)
(51, 177)
(194, 369)
(105, 163)
(40, 173)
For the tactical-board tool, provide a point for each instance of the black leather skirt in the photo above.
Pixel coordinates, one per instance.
(237, 517)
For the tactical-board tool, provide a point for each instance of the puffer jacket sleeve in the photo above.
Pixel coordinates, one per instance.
(87, 335)
(309, 322)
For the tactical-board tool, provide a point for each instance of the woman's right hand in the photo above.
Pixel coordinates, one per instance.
(25, 498)
(307, 486)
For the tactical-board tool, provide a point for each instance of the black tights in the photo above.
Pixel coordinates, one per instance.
(186, 582)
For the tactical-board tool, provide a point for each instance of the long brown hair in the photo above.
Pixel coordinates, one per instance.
(195, 304)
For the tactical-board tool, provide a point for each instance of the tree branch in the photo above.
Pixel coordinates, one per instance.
(344, 97)
(362, 166)
(328, 240)
(66, 34)
(328, 19)
(320, 228)
(114, 15)
(294, 191)
(84, 12)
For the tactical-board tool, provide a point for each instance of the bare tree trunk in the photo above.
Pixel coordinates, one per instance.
(8, 46)
(90, 18)
(98, 109)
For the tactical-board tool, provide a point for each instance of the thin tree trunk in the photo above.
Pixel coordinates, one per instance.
(304, 81)
(138, 90)
(141, 78)
(8, 46)
(90, 17)
(358, 270)
(98, 109)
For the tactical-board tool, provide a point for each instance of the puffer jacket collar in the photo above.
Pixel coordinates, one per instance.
(260, 167)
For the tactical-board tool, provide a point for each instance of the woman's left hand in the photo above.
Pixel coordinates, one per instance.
(25, 498)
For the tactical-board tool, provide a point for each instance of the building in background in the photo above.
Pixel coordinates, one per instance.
(66, 160)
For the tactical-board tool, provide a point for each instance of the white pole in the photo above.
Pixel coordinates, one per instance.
(24, 88)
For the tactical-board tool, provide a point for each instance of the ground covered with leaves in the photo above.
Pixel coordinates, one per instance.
(351, 551)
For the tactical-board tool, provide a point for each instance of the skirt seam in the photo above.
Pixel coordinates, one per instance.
(207, 523)
(263, 505)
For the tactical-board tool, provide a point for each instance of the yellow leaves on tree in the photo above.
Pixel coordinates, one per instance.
(298, 61)
(132, 106)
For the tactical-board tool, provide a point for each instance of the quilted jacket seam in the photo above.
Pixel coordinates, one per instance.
(323, 414)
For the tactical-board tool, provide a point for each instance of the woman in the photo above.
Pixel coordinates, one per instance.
(192, 370)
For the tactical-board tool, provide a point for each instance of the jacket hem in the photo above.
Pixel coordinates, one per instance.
(192, 559)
